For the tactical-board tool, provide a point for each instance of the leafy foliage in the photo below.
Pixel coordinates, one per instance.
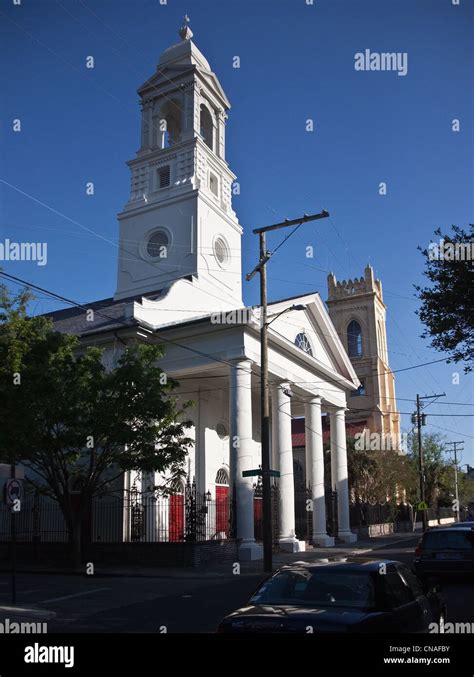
(76, 422)
(447, 309)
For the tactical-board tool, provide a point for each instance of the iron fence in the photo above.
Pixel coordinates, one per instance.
(129, 516)
(367, 514)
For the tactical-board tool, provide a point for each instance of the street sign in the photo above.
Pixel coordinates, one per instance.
(252, 473)
(422, 505)
(13, 491)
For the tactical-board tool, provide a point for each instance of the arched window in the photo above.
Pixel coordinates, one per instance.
(302, 341)
(206, 127)
(167, 125)
(354, 339)
(222, 477)
(177, 487)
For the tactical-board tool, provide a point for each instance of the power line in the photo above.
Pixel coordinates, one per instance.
(201, 353)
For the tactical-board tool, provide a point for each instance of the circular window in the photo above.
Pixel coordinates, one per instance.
(157, 245)
(302, 341)
(221, 430)
(221, 251)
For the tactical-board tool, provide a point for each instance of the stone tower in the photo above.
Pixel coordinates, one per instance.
(358, 313)
(178, 223)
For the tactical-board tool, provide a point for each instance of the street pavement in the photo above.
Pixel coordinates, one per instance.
(189, 600)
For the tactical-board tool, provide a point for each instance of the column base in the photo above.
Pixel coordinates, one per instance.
(347, 537)
(248, 551)
(292, 545)
(323, 540)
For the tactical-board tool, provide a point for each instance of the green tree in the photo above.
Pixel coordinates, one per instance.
(75, 423)
(447, 309)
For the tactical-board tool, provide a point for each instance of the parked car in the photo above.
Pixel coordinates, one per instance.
(445, 551)
(467, 524)
(345, 595)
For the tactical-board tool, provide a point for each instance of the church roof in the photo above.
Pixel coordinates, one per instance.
(108, 314)
(184, 53)
(180, 58)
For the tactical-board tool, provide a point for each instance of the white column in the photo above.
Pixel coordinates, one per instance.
(332, 425)
(288, 540)
(315, 456)
(342, 483)
(240, 397)
(275, 458)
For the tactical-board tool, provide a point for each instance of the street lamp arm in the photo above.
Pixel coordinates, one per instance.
(298, 306)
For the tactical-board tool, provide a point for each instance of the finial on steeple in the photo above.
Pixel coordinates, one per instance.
(185, 33)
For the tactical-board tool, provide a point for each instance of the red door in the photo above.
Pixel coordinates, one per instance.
(222, 510)
(176, 517)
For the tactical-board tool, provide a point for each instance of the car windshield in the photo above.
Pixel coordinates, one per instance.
(320, 588)
(449, 540)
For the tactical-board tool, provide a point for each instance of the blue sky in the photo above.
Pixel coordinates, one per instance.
(297, 63)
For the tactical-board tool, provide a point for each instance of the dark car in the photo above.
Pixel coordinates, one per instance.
(445, 551)
(345, 595)
(462, 525)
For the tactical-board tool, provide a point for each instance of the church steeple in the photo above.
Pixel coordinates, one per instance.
(179, 219)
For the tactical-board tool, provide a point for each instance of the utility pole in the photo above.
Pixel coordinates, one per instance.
(421, 420)
(456, 486)
(264, 393)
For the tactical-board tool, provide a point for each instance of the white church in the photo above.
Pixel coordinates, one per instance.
(179, 267)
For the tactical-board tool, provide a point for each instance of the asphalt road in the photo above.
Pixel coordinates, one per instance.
(194, 603)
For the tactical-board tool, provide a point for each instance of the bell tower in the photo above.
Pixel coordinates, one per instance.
(358, 312)
(178, 223)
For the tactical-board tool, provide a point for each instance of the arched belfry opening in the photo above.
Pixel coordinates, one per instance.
(167, 124)
(206, 126)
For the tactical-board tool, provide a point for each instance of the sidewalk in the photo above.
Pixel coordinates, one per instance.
(222, 569)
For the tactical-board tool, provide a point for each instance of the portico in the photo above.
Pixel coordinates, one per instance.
(301, 384)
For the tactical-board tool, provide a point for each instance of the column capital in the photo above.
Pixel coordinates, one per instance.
(236, 361)
(315, 399)
(281, 388)
(338, 411)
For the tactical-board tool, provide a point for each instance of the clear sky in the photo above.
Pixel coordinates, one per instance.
(296, 64)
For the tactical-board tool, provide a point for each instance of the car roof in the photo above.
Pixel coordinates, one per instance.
(438, 529)
(347, 564)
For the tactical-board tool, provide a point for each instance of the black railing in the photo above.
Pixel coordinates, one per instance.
(129, 516)
(366, 514)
